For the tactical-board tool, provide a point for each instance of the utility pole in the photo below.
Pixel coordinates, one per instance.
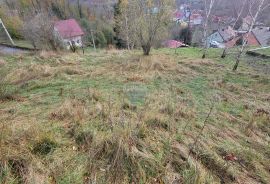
(93, 39)
(188, 16)
(9, 37)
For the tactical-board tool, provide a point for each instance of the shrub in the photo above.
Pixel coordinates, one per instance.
(157, 122)
(71, 109)
(13, 169)
(12, 23)
(84, 139)
(87, 29)
(100, 39)
(108, 34)
(44, 146)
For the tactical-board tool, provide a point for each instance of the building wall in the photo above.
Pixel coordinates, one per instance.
(197, 21)
(214, 37)
(77, 40)
(252, 41)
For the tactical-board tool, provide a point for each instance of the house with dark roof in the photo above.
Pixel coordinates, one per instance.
(178, 15)
(196, 19)
(262, 35)
(221, 36)
(69, 32)
(238, 40)
(259, 36)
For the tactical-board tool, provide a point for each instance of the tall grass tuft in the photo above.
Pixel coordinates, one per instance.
(7, 90)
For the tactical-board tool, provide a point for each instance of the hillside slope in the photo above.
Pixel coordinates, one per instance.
(120, 117)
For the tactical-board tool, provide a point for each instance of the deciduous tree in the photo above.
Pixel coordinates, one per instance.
(39, 30)
(208, 7)
(238, 18)
(256, 7)
(150, 20)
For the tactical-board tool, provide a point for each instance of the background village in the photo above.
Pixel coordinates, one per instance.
(95, 24)
(224, 31)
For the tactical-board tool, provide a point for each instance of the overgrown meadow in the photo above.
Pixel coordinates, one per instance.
(115, 116)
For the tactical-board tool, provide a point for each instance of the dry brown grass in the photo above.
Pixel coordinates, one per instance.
(48, 54)
(39, 71)
(72, 110)
(184, 112)
(70, 70)
(119, 156)
(93, 133)
(16, 158)
(151, 67)
(136, 78)
(35, 71)
(2, 62)
(159, 63)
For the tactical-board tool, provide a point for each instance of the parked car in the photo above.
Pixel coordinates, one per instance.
(215, 44)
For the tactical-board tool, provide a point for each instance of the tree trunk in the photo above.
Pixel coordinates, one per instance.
(204, 52)
(9, 37)
(204, 55)
(254, 19)
(238, 59)
(224, 53)
(93, 39)
(127, 32)
(236, 63)
(52, 44)
(205, 26)
(34, 45)
(146, 49)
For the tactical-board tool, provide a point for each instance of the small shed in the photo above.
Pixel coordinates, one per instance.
(69, 32)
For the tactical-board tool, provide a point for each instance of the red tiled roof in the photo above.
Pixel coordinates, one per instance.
(68, 28)
(251, 40)
(195, 16)
(173, 44)
(262, 35)
(178, 14)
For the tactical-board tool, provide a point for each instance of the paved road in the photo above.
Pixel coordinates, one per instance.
(10, 50)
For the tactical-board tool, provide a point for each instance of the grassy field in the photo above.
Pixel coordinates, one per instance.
(119, 117)
(20, 43)
(264, 51)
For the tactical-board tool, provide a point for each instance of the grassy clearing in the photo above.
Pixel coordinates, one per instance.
(120, 117)
(20, 43)
(264, 51)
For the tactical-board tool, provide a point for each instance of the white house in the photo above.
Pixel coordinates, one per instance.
(221, 36)
(70, 32)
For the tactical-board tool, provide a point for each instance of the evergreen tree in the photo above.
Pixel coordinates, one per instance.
(119, 42)
(58, 11)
